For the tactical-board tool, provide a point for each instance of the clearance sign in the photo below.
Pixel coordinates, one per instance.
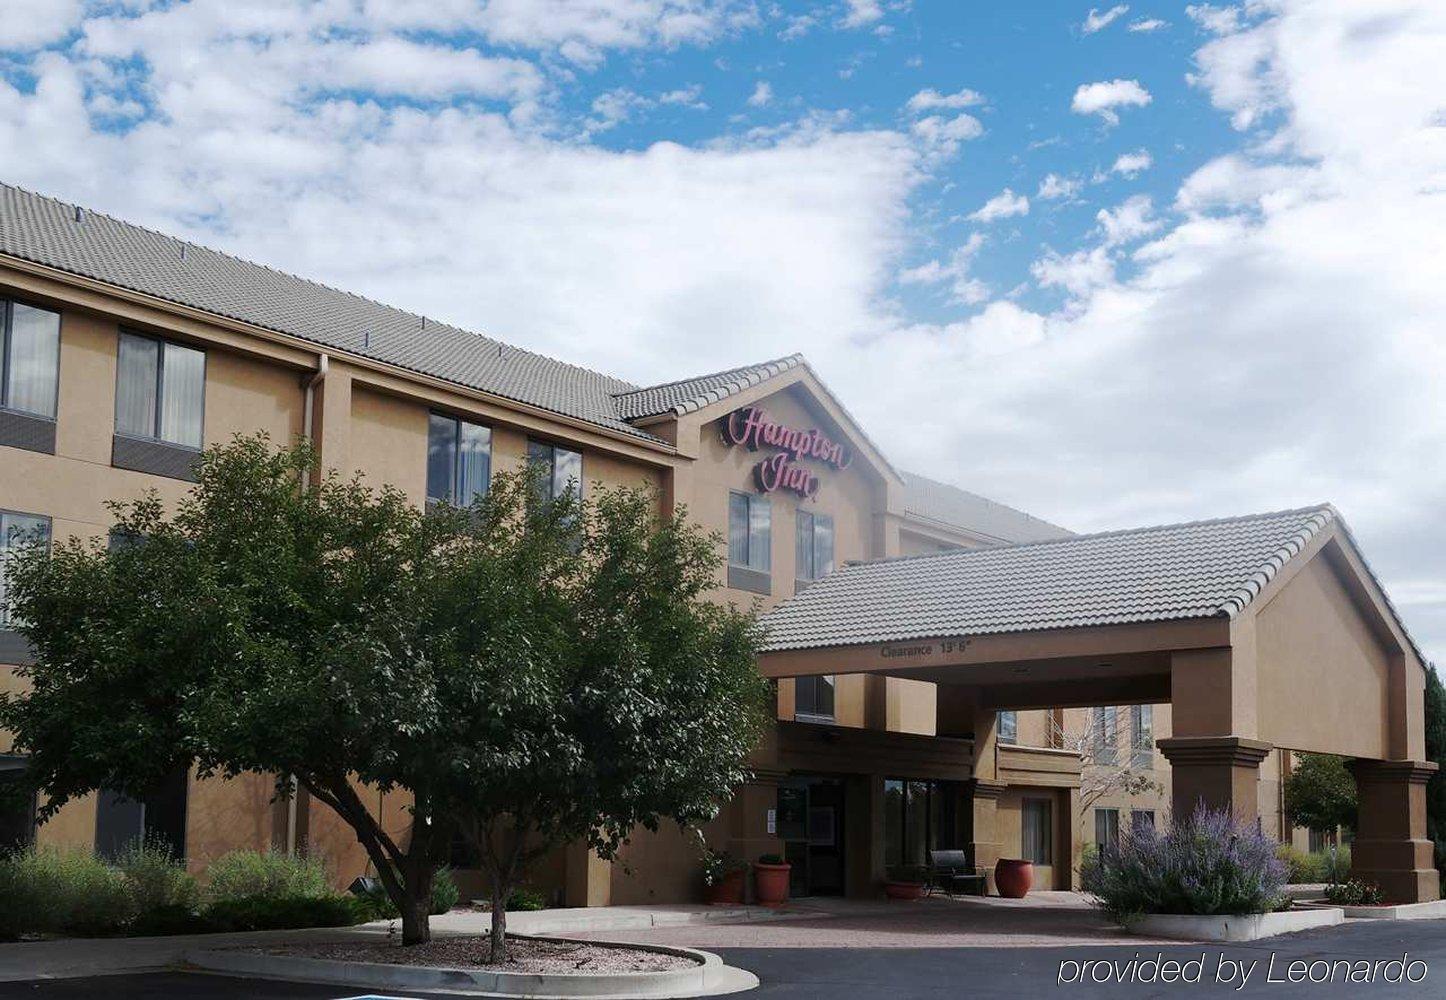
(754, 429)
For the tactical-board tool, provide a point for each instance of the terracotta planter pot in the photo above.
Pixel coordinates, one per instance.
(771, 883)
(1013, 877)
(728, 890)
(904, 890)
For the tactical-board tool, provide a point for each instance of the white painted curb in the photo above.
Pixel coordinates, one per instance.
(710, 977)
(1250, 927)
(1433, 910)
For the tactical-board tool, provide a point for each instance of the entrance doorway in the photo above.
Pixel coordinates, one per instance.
(810, 824)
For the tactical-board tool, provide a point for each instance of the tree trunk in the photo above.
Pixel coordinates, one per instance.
(416, 917)
(499, 922)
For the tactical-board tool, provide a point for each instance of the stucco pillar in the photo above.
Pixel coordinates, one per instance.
(1223, 772)
(1391, 848)
(588, 878)
(985, 845)
(748, 834)
(331, 427)
(863, 835)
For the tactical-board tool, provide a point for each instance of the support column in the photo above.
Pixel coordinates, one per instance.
(1391, 848)
(748, 833)
(589, 878)
(863, 835)
(1223, 772)
(961, 712)
(985, 846)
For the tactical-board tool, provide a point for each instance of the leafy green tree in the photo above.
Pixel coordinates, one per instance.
(1436, 750)
(528, 672)
(1320, 793)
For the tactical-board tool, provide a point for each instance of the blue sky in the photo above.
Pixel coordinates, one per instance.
(1111, 276)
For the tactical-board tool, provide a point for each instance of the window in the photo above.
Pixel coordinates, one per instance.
(1009, 727)
(159, 817)
(813, 698)
(29, 358)
(17, 531)
(17, 812)
(160, 391)
(919, 817)
(1107, 827)
(750, 538)
(1037, 831)
(563, 468)
(1142, 736)
(1142, 819)
(459, 460)
(1106, 736)
(813, 547)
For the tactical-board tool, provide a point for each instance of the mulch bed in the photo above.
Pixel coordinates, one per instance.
(525, 955)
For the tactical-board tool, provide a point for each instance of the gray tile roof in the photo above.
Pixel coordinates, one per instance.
(1197, 570)
(931, 500)
(690, 394)
(46, 231)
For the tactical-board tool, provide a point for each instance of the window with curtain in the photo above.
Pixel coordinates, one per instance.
(813, 698)
(813, 546)
(29, 358)
(1009, 727)
(459, 460)
(1142, 735)
(1106, 735)
(17, 532)
(562, 468)
(1036, 831)
(1107, 826)
(750, 532)
(160, 391)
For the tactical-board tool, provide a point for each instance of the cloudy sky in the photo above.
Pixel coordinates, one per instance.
(1117, 265)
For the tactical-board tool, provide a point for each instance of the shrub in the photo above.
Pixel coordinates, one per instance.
(158, 880)
(265, 913)
(1206, 864)
(526, 899)
(48, 890)
(267, 875)
(1354, 892)
(1301, 866)
(444, 891)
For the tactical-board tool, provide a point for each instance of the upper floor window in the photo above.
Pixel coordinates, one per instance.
(750, 541)
(17, 531)
(160, 391)
(1105, 735)
(459, 460)
(29, 358)
(1142, 735)
(813, 547)
(813, 698)
(1008, 727)
(562, 469)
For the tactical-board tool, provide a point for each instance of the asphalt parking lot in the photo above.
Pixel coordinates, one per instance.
(907, 973)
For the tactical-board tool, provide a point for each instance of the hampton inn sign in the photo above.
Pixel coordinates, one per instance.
(753, 428)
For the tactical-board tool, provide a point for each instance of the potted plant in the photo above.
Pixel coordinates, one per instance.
(906, 882)
(770, 879)
(723, 874)
(1013, 877)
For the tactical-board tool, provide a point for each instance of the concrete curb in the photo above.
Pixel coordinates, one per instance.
(1250, 927)
(710, 977)
(1433, 910)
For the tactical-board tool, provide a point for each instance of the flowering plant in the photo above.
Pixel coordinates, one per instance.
(717, 865)
(1206, 864)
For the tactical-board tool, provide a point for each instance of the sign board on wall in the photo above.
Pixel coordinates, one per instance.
(752, 428)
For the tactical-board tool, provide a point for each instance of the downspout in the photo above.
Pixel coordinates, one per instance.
(308, 424)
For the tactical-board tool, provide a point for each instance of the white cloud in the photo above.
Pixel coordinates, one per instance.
(1003, 205)
(1218, 20)
(1148, 24)
(861, 13)
(613, 107)
(762, 94)
(930, 99)
(1104, 97)
(964, 288)
(29, 24)
(1055, 187)
(1128, 221)
(1099, 20)
(941, 136)
(1078, 273)
(1131, 165)
(690, 96)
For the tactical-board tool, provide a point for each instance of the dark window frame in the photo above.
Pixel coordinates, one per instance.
(160, 393)
(747, 575)
(534, 445)
(1142, 736)
(802, 579)
(1008, 735)
(1107, 817)
(455, 488)
(816, 684)
(5, 514)
(1047, 850)
(7, 322)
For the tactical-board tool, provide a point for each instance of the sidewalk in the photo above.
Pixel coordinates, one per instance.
(70, 957)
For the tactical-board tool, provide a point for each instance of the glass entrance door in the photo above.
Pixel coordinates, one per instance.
(810, 823)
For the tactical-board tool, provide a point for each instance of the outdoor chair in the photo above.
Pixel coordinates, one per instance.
(950, 872)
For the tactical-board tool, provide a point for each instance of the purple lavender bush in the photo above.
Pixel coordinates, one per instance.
(1206, 864)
